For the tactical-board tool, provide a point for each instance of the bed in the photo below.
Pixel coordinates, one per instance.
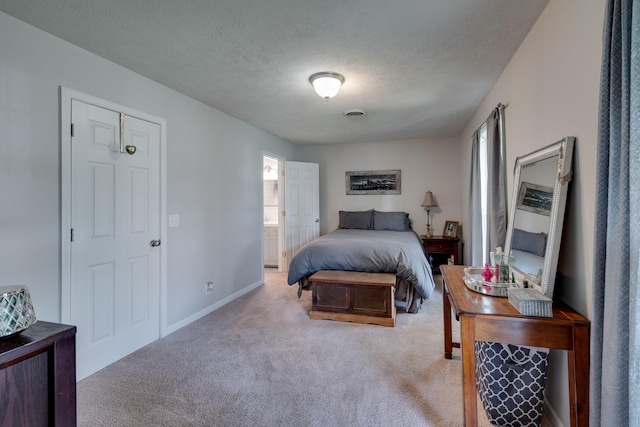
(529, 248)
(370, 241)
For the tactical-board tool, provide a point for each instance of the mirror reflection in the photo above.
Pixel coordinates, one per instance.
(532, 217)
(537, 213)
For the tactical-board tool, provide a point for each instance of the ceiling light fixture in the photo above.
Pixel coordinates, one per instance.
(326, 84)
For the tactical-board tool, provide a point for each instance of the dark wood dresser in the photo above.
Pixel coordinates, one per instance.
(38, 376)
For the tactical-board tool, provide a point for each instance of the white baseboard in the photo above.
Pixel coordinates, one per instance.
(184, 322)
(553, 415)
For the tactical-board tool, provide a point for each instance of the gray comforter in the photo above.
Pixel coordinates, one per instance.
(398, 252)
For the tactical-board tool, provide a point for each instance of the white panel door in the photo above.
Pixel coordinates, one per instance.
(302, 210)
(115, 214)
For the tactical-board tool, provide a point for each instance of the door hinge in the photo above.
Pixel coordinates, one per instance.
(284, 213)
(71, 130)
(72, 234)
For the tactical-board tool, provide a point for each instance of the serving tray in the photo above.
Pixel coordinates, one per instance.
(473, 280)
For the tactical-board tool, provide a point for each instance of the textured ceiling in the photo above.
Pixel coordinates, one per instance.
(418, 68)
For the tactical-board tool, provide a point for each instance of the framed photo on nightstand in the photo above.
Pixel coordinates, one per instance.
(451, 229)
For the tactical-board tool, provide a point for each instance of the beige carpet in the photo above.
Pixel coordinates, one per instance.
(260, 361)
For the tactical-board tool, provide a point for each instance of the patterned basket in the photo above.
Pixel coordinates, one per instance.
(510, 381)
(16, 310)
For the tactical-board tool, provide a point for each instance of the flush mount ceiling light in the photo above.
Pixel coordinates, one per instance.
(327, 83)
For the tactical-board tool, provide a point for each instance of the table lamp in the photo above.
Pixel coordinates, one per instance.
(429, 202)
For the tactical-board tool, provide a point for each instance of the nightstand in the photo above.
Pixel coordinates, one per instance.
(439, 250)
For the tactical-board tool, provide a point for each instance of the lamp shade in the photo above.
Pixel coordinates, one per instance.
(429, 200)
(326, 84)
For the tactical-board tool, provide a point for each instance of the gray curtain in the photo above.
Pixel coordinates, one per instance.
(615, 327)
(496, 203)
(474, 221)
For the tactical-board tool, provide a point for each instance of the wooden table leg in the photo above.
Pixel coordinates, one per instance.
(467, 344)
(446, 312)
(578, 366)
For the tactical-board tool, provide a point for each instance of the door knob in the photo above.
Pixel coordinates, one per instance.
(317, 219)
(155, 243)
(131, 149)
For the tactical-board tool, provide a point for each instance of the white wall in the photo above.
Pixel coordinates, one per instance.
(431, 164)
(552, 86)
(214, 174)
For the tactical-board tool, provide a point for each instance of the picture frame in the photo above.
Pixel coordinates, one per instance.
(535, 198)
(373, 182)
(450, 229)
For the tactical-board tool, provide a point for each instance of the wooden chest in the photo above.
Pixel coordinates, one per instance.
(353, 296)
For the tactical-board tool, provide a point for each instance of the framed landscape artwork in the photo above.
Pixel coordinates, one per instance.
(535, 198)
(373, 182)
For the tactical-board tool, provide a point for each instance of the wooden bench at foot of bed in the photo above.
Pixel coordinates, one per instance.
(353, 296)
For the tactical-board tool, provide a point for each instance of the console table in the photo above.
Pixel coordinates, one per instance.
(494, 319)
(38, 376)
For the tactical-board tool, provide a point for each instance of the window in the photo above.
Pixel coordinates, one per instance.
(484, 187)
(487, 223)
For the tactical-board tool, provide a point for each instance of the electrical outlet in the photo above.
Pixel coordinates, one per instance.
(208, 288)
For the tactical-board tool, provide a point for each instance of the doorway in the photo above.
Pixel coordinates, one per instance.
(271, 211)
(290, 209)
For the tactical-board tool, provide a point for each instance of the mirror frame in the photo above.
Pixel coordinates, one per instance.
(564, 150)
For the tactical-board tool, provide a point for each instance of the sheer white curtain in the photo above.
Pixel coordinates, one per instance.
(615, 327)
(487, 222)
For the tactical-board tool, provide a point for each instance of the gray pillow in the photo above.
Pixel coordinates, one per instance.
(535, 243)
(360, 220)
(393, 221)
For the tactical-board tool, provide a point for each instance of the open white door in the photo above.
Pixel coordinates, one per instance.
(302, 210)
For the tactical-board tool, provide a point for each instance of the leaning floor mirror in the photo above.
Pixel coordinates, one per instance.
(541, 181)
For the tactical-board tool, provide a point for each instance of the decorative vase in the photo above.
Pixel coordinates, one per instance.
(16, 310)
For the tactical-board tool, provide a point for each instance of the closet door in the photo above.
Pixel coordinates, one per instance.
(115, 220)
